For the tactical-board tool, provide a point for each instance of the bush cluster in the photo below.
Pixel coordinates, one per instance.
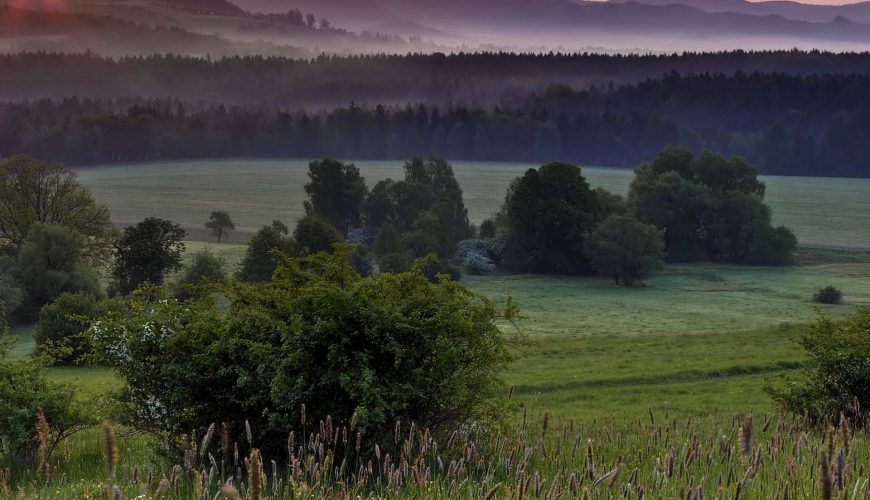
(828, 295)
(838, 379)
(382, 348)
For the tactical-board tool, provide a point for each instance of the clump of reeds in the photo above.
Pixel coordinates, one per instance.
(655, 457)
(42, 430)
(110, 448)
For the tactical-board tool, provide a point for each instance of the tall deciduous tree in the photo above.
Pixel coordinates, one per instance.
(34, 192)
(708, 206)
(426, 208)
(335, 193)
(548, 212)
(220, 224)
(146, 253)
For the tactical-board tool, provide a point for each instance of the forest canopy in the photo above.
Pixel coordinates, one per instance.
(789, 125)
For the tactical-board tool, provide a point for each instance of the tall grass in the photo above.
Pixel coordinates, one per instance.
(656, 456)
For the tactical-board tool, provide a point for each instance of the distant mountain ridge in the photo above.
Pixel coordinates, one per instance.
(856, 12)
(551, 21)
(367, 26)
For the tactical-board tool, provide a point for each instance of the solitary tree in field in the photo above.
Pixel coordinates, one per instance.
(220, 224)
(625, 248)
(34, 192)
(146, 253)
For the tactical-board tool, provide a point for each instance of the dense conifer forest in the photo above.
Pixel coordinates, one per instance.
(784, 123)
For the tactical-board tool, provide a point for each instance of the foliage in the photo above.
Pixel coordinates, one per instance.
(385, 348)
(434, 268)
(487, 229)
(146, 253)
(389, 252)
(625, 248)
(838, 381)
(220, 224)
(828, 295)
(361, 235)
(50, 262)
(476, 255)
(24, 392)
(452, 216)
(609, 204)
(335, 193)
(314, 235)
(63, 324)
(34, 192)
(204, 267)
(709, 207)
(11, 294)
(260, 262)
(425, 236)
(547, 213)
(426, 209)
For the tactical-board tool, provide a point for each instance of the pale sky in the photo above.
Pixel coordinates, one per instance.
(823, 2)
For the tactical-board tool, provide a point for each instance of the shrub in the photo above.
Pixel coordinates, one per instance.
(839, 377)
(828, 295)
(24, 393)
(361, 235)
(63, 323)
(383, 348)
(475, 256)
(432, 267)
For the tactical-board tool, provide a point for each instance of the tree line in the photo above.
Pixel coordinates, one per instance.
(791, 125)
(475, 79)
(55, 238)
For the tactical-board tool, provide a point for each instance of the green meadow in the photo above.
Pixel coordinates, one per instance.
(698, 339)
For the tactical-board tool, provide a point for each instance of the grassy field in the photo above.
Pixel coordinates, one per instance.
(821, 211)
(695, 345)
(697, 339)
